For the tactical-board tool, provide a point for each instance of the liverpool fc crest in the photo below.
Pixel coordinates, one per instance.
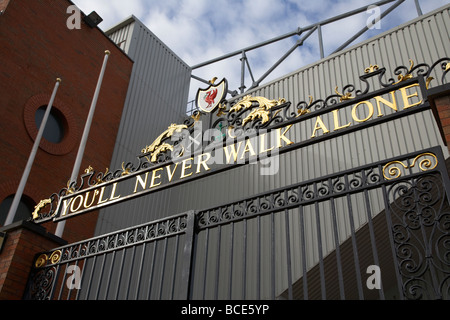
(208, 99)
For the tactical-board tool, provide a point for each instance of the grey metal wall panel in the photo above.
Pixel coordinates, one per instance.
(156, 97)
(424, 39)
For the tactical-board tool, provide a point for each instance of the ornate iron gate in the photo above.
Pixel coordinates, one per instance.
(378, 231)
(284, 244)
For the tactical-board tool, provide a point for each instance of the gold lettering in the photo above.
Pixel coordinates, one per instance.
(281, 136)
(85, 205)
(405, 96)
(203, 163)
(336, 121)
(72, 209)
(113, 197)
(139, 180)
(319, 125)
(262, 144)
(154, 176)
(184, 167)
(392, 105)
(248, 148)
(170, 174)
(369, 105)
(233, 152)
(100, 198)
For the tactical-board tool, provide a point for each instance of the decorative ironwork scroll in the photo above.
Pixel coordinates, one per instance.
(420, 215)
(393, 169)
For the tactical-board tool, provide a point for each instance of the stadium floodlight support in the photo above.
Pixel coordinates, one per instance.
(309, 30)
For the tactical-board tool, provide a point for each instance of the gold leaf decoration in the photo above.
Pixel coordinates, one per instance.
(343, 97)
(39, 206)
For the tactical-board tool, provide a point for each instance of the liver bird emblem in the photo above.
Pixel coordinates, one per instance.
(208, 99)
(210, 96)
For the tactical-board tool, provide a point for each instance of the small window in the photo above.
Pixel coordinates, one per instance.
(24, 210)
(55, 128)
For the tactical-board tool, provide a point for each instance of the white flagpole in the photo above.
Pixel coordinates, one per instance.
(76, 168)
(13, 209)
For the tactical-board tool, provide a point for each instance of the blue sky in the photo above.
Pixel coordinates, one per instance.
(200, 30)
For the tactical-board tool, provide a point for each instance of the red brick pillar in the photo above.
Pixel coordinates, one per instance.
(439, 98)
(23, 241)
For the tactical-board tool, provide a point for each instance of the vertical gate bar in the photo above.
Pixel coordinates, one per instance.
(138, 287)
(152, 264)
(230, 277)
(304, 266)
(82, 277)
(70, 290)
(288, 252)
(133, 251)
(188, 256)
(216, 289)
(110, 268)
(102, 266)
(372, 234)
(163, 268)
(94, 260)
(127, 284)
(320, 249)
(354, 246)
(337, 250)
(120, 272)
(391, 238)
(101, 273)
(62, 283)
(144, 245)
(206, 261)
(69, 254)
(174, 267)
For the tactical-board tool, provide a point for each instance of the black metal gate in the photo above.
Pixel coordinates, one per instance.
(381, 231)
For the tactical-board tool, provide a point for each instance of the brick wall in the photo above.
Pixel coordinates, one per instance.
(439, 98)
(23, 241)
(443, 108)
(36, 47)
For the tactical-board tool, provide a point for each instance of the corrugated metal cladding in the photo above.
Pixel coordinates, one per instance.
(156, 97)
(424, 39)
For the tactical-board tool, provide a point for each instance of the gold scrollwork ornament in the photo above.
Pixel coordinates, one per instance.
(158, 146)
(55, 256)
(394, 167)
(41, 261)
(343, 97)
(39, 206)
